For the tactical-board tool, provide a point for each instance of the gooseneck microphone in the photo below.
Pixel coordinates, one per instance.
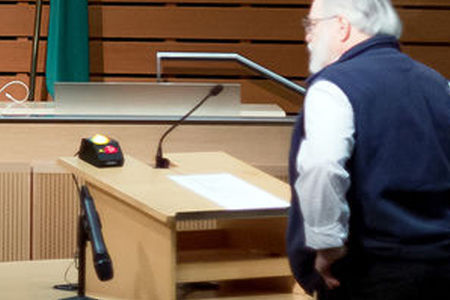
(92, 225)
(160, 161)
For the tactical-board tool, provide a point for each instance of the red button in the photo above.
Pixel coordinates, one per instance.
(111, 149)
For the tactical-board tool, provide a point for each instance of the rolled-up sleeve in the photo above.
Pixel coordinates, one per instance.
(323, 180)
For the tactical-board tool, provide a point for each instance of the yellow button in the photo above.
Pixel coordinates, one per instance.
(99, 139)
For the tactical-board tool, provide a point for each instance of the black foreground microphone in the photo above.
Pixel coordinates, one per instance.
(102, 261)
(160, 161)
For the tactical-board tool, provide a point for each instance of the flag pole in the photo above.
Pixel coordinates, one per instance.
(35, 48)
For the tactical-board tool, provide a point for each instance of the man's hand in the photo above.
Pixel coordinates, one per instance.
(324, 259)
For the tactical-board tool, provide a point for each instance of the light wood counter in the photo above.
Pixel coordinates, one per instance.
(162, 236)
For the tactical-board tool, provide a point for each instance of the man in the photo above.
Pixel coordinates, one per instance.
(369, 162)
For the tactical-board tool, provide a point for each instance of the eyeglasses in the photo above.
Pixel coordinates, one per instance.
(310, 23)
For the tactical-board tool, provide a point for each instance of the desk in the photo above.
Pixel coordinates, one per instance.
(162, 236)
(36, 142)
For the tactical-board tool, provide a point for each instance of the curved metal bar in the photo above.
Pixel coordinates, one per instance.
(226, 56)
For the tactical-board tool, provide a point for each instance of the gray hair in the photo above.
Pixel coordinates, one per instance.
(370, 16)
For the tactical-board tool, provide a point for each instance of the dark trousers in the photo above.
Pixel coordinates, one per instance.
(390, 280)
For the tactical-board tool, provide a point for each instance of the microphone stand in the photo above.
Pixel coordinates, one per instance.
(89, 229)
(82, 239)
(160, 161)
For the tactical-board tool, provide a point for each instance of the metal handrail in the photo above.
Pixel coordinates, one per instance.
(226, 56)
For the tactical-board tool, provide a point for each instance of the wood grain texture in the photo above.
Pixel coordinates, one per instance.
(141, 248)
(244, 2)
(24, 142)
(218, 23)
(15, 211)
(139, 205)
(126, 34)
(55, 208)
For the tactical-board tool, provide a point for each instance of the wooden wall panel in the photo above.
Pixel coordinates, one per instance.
(211, 23)
(139, 58)
(124, 57)
(16, 20)
(273, 2)
(125, 35)
(240, 23)
(15, 212)
(216, 2)
(412, 3)
(18, 56)
(425, 25)
(142, 58)
(55, 210)
(220, 23)
(16, 90)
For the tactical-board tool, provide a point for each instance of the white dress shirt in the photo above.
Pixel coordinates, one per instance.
(323, 181)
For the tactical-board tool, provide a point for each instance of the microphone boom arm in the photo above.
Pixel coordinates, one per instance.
(160, 161)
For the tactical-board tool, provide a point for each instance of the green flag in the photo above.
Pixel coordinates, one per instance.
(68, 42)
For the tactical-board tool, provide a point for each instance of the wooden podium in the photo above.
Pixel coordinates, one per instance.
(168, 242)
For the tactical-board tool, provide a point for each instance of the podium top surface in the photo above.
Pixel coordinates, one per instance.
(153, 192)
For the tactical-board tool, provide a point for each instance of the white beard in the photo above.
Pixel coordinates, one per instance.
(320, 53)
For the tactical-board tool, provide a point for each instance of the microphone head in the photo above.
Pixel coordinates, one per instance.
(216, 90)
(103, 267)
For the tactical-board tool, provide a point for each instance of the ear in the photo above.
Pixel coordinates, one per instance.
(345, 29)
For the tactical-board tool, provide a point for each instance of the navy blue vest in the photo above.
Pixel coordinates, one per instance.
(400, 168)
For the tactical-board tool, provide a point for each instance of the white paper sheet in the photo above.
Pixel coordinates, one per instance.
(229, 191)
